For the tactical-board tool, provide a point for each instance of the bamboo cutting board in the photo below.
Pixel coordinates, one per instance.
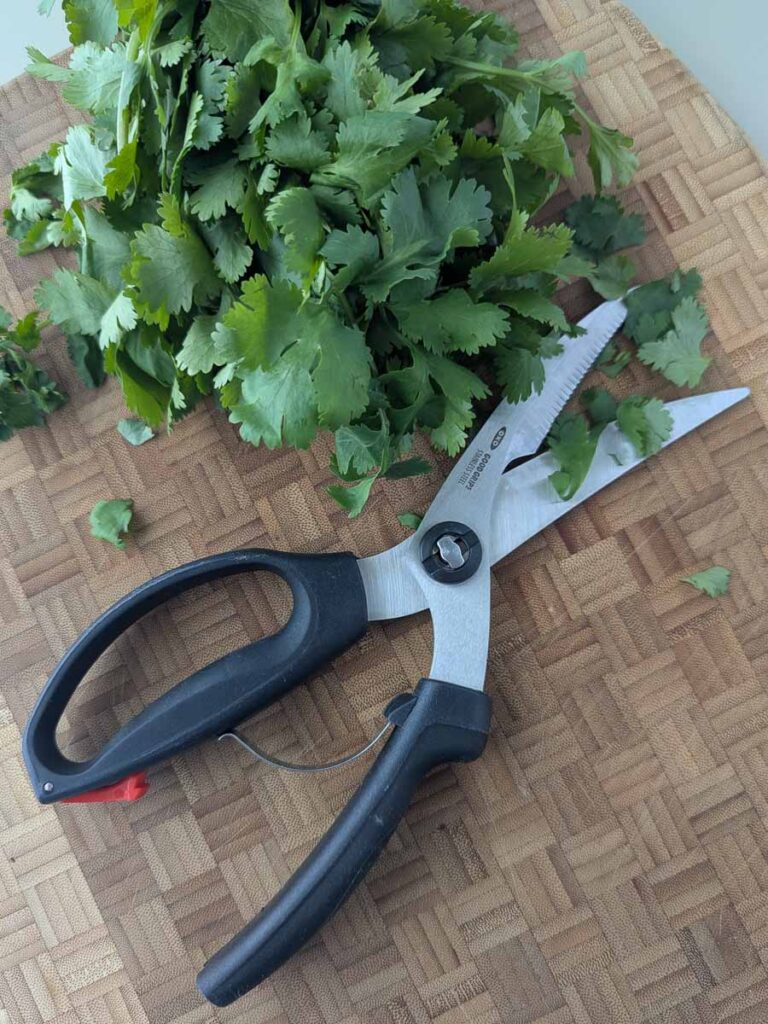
(607, 859)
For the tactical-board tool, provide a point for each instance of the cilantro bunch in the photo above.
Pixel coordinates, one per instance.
(321, 213)
(27, 393)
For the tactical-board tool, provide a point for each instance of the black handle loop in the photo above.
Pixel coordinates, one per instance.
(329, 614)
(442, 722)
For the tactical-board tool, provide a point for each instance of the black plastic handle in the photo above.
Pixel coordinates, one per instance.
(329, 614)
(442, 722)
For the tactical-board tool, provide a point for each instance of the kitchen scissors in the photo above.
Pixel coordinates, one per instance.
(483, 511)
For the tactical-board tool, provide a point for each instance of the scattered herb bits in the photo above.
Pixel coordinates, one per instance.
(111, 520)
(713, 581)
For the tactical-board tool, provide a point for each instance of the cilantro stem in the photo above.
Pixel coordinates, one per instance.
(525, 78)
(346, 306)
(578, 109)
(126, 89)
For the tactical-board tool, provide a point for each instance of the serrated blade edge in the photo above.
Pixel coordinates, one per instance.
(530, 421)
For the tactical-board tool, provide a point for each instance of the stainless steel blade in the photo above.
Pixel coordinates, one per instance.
(395, 582)
(515, 430)
(526, 502)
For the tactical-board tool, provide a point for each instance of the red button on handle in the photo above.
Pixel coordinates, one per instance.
(132, 787)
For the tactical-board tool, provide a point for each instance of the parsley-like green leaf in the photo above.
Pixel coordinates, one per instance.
(612, 360)
(546, 146)
(610, 156)
(263, 322)
(600, 404)
(343, 370)
(410, 520)
(529, 251)
(573, 445)
(613, 276)
(91, 21)
(678, 354)
(110, 520)
(453, 322)
(82, 165)
(713, 581)
(135, 432)
(361, 449)
(352, 499)
(232, 27)
(277, 405)
(171, 272)
(657, 300)
(74, 301)
(601, 227)
(646, 422)
(295, 214)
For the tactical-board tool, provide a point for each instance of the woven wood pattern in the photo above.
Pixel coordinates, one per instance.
(606, 860)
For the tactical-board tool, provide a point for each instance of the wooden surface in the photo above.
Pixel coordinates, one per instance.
(605, 862)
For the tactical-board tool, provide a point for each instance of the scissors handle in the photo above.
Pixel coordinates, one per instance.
(329, 614)
(438, 724)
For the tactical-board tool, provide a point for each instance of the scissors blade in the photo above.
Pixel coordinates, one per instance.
(528, 423)
(394, 582)
(512, 431)
(526, 502)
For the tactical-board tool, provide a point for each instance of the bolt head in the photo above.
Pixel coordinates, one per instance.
(48, 787)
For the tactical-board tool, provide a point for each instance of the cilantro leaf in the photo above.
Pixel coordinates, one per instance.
(612, 277)
(600, 404)
(74, 301)
(91, 21)
(610, 155)
(82, 166)
(110, 520)
(536, 307)
(221, 186)
(646, 422)
(612, 360)
(713, 581)
(573, 445)
(135, 432)
(360, 449)
(600, 226)
(459, 387)
(232, 27)
(410, 520)
(27, 393)
(520, 372)
(117, 321)
(546, 146)
(277, 405)
(262, 323)
(171, 272)
(352, 499)
(198, 352)
(657, 299)
(294, 213)
(678, 354)
(232, 256)
(453, 322)
(528, 251)
(342, 355)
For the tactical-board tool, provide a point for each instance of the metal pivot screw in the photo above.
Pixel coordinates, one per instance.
(48, 787)
(450, 552)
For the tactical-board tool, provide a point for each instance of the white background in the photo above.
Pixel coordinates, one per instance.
(724, 43)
